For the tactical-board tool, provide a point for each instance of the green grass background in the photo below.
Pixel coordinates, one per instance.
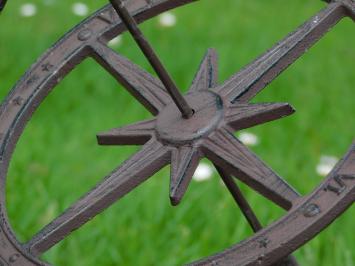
(57, 159)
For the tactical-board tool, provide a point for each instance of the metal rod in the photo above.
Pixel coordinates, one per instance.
(153, 59)
(240, 200)
(248, 212)
(2, 4)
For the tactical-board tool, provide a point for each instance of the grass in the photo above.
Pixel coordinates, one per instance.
(57, 159)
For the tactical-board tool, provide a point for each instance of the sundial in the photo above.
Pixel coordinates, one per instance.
(183, 130)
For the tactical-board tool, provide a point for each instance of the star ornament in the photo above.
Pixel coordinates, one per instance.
(170, 139)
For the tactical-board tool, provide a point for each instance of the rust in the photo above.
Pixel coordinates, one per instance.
(220, 109)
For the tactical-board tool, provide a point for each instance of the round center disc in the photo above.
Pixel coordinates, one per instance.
(208, 112)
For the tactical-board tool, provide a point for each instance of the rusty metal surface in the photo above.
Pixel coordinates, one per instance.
(168, 138)
(2, 4)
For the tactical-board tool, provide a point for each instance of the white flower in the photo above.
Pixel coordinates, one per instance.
(80, 9)
(248, 139)
(167, 19)
(326, 165)
(115, 41)
(203, 172)
(28, 10)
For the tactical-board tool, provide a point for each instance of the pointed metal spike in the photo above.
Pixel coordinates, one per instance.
(142, 85)
(135, 134)
(253, 78)
(184, 162)
(224, 149)
(152, 58)
(207, 74)
(241, 115)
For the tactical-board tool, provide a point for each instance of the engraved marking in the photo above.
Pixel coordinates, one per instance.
(149, 2)
(14, 258)
(18, 100)
(339, 186)
(2, 241)
(260, 259)
(47, 67)
(107, 17)
(348, 177)
(3, 262)
(311, 210)
(263, 242)
(85, 34)
(32, 80)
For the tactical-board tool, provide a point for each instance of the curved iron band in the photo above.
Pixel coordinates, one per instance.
(75, 47)
(304, 221)
(38, 82)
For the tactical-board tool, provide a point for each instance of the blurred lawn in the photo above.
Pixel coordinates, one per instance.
(57, 159)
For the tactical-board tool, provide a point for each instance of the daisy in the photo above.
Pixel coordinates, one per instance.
(248, 139)
(115, 42)
(203, 172)
(28, 10)
(326, 165)
(167, 19)
(80, 9)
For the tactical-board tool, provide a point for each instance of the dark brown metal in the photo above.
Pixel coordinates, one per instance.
(208, 133)
(249, 214)
(153, 59)
(220, 109)
(240, 200)
(306, 219)
(2, 4)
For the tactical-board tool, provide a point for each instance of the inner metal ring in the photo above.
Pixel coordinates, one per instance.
(208, 113)
(307, 217)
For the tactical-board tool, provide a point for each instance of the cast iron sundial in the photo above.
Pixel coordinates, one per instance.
(185, 129)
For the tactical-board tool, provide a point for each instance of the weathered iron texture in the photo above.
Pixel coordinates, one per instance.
(175, 136)
(2, 4)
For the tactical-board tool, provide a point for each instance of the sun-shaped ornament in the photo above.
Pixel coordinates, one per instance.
(185, 129)
(171, 138)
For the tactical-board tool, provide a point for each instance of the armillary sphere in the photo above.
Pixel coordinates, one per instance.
(184, 129)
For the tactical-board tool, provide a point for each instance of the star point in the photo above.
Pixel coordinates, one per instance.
(206, 76)
(184, 161)
(208, 133)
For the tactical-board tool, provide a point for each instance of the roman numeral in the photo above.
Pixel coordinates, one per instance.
(339, 185)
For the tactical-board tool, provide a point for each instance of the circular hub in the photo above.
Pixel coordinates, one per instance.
(208, 112)
(211, 128)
